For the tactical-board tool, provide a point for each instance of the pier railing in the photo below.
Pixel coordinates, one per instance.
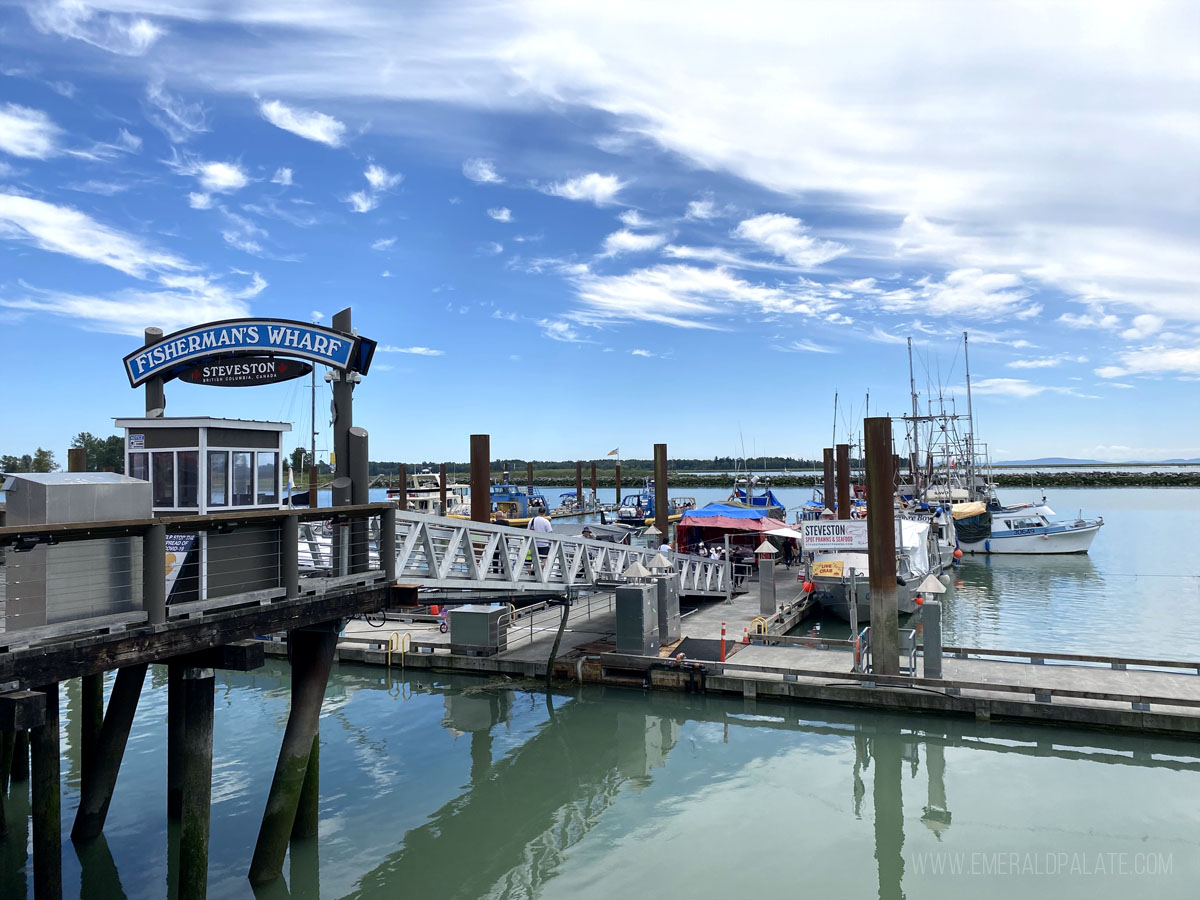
(64, 580)
(459, 554)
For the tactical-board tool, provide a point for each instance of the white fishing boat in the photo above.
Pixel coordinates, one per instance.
(425, 493)
(1027, 528)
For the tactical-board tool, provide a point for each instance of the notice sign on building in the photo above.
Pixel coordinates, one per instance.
(246, 371)
(835, 534)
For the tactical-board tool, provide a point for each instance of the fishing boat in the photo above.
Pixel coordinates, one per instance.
(955, 475)
(753, 492)
(424, 493)
(639, 509)
(842, 577)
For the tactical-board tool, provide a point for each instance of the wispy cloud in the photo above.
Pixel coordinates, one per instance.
(501, 213)
(122, 34)
(62, 229)
(362, 201)
(645, 353)
(178, 120)
(414, 351)
(703, 209)
(1045, 362)
(631, 218)
(594, 188)
(282, 176)
(216, 177)
(625, 241)
(805, 346)
(1143, 326)
(481, 171)
(490, 248)
(558, 330)
(383, 244)
(380, 179)
(200, 201)
(788, 238)
(1158, 359)
(27, 133)
(308, 124)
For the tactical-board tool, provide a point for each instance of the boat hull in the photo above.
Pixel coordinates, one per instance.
(1069, 540)
(834, 598)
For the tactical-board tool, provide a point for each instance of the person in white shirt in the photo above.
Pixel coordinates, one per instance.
(664, 547)
(713, 553)
(540, 522)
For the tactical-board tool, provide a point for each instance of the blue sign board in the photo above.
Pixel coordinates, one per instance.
(251, 337)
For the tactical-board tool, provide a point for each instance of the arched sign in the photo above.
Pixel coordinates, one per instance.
(180, 352)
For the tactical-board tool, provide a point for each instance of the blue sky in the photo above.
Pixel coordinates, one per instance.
(582, 226)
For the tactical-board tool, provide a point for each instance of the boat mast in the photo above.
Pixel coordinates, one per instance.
(912, 386)
(313, 418)
(835, 399)
(970, 424)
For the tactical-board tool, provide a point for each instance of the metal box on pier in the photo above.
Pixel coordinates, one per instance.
(477, 630)
(668, 609)
(637, 619)
(73, 580)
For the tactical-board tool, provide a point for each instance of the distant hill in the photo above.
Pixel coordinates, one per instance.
(1069, 461)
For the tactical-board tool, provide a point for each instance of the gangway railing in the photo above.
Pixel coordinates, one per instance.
(458, 554)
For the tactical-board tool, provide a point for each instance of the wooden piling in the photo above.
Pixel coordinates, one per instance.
(442, 510)
(308, 810)
(90, 720)
(829, 484)
(174, 740)
(529, 477)
(312, 657)
(618, 484)
(843, 481)
(77, 459)
(198, 687)
(6, 748)
(595, 496)
(579, 484)
(481, 481)
(96, 796)
(19, 770)
(402, 489)
(47, 802)
(661, 505)
(881, 547)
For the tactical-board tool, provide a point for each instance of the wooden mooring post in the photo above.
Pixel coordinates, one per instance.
(45, 757)
(661, 504)
(843, 481)
(311, 651)
(198, 687)
(481, 478)
(828, 479)
(881, 547)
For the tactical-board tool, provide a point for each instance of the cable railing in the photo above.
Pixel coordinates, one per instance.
(66, 579)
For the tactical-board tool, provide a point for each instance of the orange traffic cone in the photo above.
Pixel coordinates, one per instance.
(745, 635)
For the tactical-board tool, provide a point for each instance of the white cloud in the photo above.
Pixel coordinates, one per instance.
(200, 201)
(362, 201)
(380, 179)
(1006, 387)
(61, 229)
(558, 330)
(722, 257)
(787, 237)
(28, 133)
(1143, 326)
(282, 176)
(626, 241)
(386, 273)
(214, 177)
(593, 187)
(631, 218)
(702, 209)
(121, 34)
(183, 301)
(805, 346)
(686, 297)
(645, 353)
(175, 118)
(491, 248)
(964, 293)
(1045, 362)
(414, 351)
(1094, 318)
(481, 171)
(1155, 360)
(383, 244)
(501, 213)
(307, 123)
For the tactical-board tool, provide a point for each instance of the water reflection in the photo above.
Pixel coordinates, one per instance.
(445, 786)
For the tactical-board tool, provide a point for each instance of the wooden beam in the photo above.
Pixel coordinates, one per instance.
(238, 656)
(99, 653)
(22, 710)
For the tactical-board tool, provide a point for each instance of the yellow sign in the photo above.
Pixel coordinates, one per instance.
(829, 569)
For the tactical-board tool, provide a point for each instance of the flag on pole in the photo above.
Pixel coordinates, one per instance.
(614, 452)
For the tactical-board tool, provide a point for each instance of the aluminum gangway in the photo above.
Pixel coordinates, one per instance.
(458, 554)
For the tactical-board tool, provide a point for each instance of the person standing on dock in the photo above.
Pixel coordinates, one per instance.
(541, 522)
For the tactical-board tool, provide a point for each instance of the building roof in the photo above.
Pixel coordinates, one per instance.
(202, 422)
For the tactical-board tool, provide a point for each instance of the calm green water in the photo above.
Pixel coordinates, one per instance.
(447, 787)
(441, 786)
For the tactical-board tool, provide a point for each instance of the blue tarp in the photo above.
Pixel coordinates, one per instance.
(720, 509)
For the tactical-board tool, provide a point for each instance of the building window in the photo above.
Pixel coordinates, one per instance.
(163, 479)
(188, 464)
(139, 466)
(218, 473)
(242, 479)
(268, 468)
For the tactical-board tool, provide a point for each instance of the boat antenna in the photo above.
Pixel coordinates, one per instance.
(912, 385)
(835, 401)
(970, 421)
